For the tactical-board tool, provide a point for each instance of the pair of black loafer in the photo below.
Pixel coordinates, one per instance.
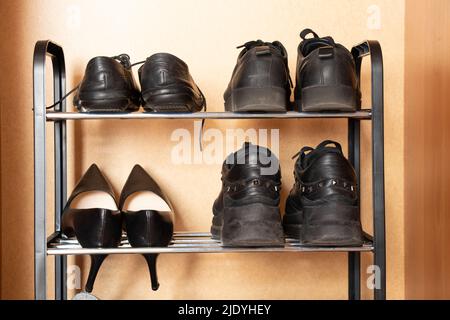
(93, 215)
(108, 85)
(326, 77)
(321, 209)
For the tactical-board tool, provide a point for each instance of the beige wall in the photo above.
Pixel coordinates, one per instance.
(427, 145)
(204, 34)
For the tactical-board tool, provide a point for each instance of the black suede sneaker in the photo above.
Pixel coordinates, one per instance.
(246, 212)
(326, 76)
(108, 86)
(167, 85)
(260, 81)
(322, 207)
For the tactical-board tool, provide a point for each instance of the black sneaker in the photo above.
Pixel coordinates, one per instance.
(246, 212)
(167, 85)
(260, 81)
(326, 76)
(108, 86)
(322, 207)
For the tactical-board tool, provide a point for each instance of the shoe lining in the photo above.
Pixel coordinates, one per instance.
(145, 200)
(93, 199)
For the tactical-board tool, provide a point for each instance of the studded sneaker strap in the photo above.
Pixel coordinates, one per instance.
(312, 187)
(244, 184)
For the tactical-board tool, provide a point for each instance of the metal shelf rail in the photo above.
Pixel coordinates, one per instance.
(58, 116)
(191, 241)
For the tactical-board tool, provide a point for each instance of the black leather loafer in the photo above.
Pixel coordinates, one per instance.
(326, 76)
(260, 81)
(148, 216)
(322, 207)
(167, 85)
(108, 86)
(92, 216)
(246, 212)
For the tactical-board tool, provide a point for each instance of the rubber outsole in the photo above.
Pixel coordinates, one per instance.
(171, 102)
(253, 225)
(329, 98)
(333, 225)
(216, 232)
(106, 105)
(269, 99)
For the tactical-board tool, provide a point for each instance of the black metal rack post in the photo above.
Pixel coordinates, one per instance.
(44, 49)
(185, 242)
(360, 51)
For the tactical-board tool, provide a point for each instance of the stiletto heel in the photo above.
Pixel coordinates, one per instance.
(151, 262)
(148, 216)
(96, 262)
(92, 216)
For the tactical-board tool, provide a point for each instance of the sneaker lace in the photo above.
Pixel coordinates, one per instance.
(319, 149)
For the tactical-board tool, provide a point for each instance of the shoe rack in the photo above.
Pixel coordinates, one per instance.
(191, 242)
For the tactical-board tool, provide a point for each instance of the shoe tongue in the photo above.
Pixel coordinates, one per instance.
(309, 45)
(258, 43)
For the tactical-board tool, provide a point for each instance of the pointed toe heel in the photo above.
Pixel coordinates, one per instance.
(92, 216)
(148, 216)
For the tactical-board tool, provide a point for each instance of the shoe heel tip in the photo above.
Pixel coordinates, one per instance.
(155, 287)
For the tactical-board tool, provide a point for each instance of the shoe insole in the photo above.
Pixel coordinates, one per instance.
(145, 200)
(94, 199)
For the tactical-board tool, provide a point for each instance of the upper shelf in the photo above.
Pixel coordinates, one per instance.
(57, 116)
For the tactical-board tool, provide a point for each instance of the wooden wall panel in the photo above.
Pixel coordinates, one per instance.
(427, 149)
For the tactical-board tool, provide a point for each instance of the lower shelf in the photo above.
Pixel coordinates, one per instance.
(188, 242)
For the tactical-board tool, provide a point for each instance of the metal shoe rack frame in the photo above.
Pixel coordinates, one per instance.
(190, 242)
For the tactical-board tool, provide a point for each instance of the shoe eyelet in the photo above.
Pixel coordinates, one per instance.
(333, 182)
(256, 182)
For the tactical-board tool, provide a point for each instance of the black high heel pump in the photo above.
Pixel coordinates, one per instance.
(148, 216)
(92, 216)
